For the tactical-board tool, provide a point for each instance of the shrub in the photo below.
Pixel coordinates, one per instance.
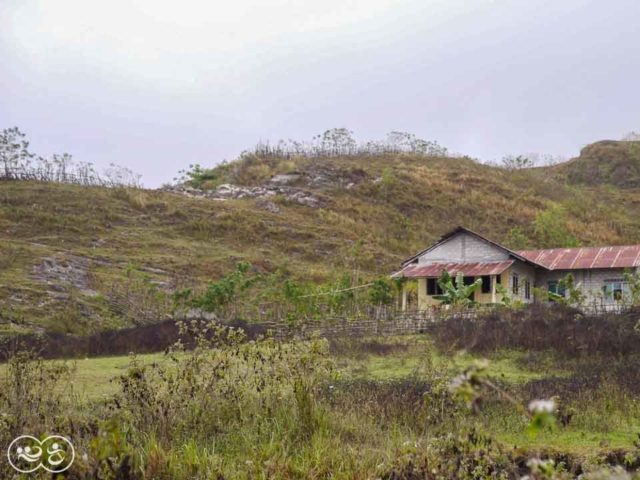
(540, 327)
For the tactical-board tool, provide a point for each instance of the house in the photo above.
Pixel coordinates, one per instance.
(599, 271)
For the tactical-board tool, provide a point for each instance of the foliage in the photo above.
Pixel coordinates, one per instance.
(381, 292)
(507, 299)
(550, 228)
(541, 327)
(458, 294)
(633, 282)
(233, 408)
(517, 239)
(225, 291)
(574, 295)
(195, 175)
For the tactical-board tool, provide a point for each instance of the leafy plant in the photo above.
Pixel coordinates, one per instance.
(225, 291)
(381, 292)
(633, 282)
(574, 295)
(456, 293)
(507, 299)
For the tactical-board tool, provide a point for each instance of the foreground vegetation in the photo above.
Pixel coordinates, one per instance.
(394, 408)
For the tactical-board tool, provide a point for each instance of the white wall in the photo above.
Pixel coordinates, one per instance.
(592, 281)
(525, 272)
(464, 248)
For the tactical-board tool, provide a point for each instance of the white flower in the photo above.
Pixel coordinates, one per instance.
(458, 381)
(542, 406)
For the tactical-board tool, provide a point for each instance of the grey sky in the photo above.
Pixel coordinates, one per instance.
(156, 85)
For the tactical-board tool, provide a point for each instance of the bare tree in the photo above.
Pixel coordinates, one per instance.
(631, 137)
(18, 163)
(340, 141)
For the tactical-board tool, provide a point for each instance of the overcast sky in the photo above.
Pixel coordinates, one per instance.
(156, 85)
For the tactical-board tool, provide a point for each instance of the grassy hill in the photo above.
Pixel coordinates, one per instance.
(604, 163)
(79, 259)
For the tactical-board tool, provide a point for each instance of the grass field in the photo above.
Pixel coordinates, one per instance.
(397, 359)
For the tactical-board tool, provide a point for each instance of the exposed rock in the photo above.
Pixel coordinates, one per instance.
(322, 175)
(73, 272)
(232, 192)
(303, 199)
(98, 242)
(285, 179)
(269, 207)
(195, 314)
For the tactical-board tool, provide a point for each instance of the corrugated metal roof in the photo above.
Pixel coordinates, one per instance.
(471, 269)
(588, 257)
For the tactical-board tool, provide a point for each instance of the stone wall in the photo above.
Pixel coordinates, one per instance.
(407, 323)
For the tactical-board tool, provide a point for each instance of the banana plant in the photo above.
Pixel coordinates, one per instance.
(455, 292)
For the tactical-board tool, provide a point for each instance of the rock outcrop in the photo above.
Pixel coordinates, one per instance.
(233, 192)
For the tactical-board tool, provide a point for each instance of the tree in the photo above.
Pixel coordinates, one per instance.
(550, 226)
(381, 292)
(338, 141)
(456, 293)
(517, 239)
(14, 151)
(224, 291)
(517, 163)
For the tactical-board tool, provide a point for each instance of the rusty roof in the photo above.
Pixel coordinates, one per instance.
(586, 257)
(470, 269)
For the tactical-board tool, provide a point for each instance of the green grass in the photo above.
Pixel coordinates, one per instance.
(92, 377)
(615, 428)
(402, 363)
(93, 380)
(180, 423)
(577, 442)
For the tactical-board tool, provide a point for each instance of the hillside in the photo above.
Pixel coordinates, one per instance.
(80, 259)
(607, 162)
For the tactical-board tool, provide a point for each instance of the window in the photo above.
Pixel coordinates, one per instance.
(554, 287)
(486, 284)
(515, 284)
(432, 287)
(527, 289)
(615, 290)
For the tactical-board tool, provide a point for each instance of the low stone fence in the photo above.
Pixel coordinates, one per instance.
(405, 323)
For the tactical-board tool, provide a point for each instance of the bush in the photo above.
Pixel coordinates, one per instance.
(540, 327)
